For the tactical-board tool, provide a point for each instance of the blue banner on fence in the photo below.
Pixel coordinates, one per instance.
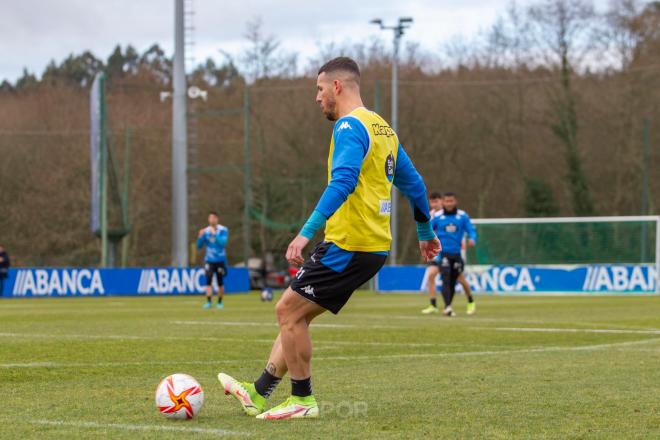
(98, 282)
(529, 279)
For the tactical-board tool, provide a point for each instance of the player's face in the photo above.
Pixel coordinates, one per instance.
(436, 204)
(449, 203)
(325, 96)
(213, 219)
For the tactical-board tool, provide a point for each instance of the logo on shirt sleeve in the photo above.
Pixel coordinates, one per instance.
(344, 125)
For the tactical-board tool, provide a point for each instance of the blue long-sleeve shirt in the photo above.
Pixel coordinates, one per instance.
(451, 228)
(351, 147)
(215, 242)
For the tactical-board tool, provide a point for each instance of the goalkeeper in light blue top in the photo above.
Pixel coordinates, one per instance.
(214, 238)
(365, 159)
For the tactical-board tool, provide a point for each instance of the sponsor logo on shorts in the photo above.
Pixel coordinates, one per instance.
(309, 290)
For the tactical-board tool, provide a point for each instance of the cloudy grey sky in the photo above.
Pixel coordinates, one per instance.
(32, 32)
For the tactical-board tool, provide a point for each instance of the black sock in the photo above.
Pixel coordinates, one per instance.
(433, 302)
(219, 300)
(266, 384)
(446, 297)
(470, 299)
(208, 299)
(301, 387)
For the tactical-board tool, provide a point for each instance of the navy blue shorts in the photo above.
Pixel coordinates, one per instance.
(330, 288)
(219, 270)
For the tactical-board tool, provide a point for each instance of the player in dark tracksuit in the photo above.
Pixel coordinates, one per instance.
(451, 225)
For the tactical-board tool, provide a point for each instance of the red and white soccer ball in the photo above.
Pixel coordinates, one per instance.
(179, 396)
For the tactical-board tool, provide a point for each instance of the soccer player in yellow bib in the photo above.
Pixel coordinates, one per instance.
(365, 160)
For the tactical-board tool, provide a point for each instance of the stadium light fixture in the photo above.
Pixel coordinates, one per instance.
(398, 29)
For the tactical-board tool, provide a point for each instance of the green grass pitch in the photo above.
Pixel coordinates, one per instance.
(522, 367)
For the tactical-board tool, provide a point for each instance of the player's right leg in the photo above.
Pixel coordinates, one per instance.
(431, 273)
(208, 272)
(294, 314)
(252, 396)
(447, 283)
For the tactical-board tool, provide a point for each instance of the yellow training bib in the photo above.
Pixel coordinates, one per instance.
(362, 223)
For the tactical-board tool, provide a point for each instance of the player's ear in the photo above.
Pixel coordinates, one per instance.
(338, 86)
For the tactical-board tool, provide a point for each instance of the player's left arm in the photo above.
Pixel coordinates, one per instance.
(470, 230)
(351, 145)
(411, 184)
(224, 236)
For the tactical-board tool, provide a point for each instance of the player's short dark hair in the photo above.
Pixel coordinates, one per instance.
(435, 195)
(215, 213)
(341, 64)
(449, 194)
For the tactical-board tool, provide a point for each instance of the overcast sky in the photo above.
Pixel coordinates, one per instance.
(32, 32)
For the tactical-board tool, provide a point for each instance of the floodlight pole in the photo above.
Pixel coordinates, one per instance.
(179, 145)
(404, 23)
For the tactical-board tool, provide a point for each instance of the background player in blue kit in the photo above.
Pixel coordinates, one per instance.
(214, 237)
(450, 225)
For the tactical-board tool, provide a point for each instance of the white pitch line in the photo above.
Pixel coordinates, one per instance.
(548, 349)
(273, 324)
(572, 330)
(495, 352)
(206, 338)
(131, 427)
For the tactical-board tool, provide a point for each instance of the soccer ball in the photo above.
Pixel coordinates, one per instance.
(179, 396)
(267, 294)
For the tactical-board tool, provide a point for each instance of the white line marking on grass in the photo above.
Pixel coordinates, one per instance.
(273, 324)
(572, 330)
(495, 352)
(131, 427)
(547, 349)
(208, 338)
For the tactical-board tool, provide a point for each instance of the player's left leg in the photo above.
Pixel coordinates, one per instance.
(431, 273)
(455, 271)
(471, 305)
(253, 395)
(294, 314)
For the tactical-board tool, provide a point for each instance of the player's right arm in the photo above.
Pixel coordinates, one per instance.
(201, 238)
(351, 146)
(411, 184)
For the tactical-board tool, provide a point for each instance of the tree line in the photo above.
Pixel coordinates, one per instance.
(540, 115)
